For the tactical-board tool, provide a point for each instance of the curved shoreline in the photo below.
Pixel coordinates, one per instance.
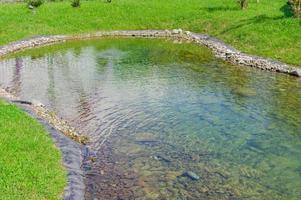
(219, 48)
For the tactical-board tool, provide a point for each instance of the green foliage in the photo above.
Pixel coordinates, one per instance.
(75, 3)
(35, 3)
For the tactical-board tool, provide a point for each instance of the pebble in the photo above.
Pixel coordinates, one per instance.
(191, 175)
(162, 158)
(177, 31)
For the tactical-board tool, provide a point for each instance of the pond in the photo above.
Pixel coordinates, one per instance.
(168, 120)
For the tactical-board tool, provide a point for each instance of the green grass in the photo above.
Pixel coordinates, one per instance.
(30, 164)
(266, 29)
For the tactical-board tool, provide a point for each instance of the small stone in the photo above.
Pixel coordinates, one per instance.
(188, 33)
(204, 190)
(191, 175)
(168, 33)
(177, 31)
(37, 103)
(162, 158)
(296, 72)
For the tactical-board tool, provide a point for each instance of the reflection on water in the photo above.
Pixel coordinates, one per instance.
(168, 121)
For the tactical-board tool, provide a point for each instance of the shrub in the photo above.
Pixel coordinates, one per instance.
(75, 3)
(296, 7)
(243, 4)
(35, 3)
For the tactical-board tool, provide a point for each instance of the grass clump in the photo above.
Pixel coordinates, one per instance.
(34, 3)
(30, 165)
(75, 3)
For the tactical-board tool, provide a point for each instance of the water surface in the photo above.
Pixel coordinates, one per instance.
(155, 109)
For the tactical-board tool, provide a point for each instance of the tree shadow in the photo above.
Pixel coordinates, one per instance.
(220, 8)
(287, 13)
(255, 20)
(287, 10)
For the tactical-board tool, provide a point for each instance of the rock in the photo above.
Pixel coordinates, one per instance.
(296, 72)
(149, 143)
(30, 7)
(37, 103)
(187, 33)
(244, 92)
(162, 158)
(254, 145)
(167, 32)
(177, 31)
(193, 176)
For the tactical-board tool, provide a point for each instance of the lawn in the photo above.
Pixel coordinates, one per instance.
(30, 164)
(266, 28)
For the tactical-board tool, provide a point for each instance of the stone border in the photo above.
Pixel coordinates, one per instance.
(219, 48)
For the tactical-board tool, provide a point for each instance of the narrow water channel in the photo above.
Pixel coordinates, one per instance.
(168, 120)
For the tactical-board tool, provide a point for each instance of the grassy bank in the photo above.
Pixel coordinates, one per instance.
(265, 28)
(30, 165)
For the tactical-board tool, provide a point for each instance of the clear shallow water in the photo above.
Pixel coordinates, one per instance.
(154, 110)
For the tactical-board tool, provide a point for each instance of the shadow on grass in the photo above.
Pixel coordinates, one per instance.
(255, 20)
(287, 10)
(287, 13)
(220, 8)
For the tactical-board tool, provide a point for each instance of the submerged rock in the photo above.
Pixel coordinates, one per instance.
(254, 145)
(299, 170)
(162, 158)
(148, 142)
(193, 176)
(244, 92)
